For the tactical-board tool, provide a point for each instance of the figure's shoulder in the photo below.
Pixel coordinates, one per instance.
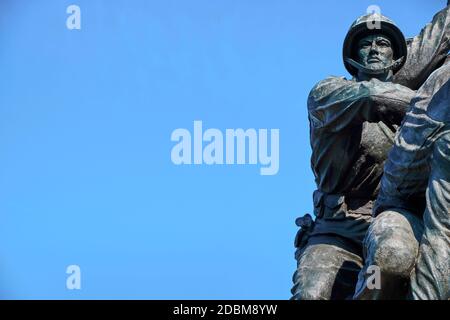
(331, 80)
(325, 87)
(329, 84)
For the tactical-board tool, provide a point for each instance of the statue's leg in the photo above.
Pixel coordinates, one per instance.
(431, 279)
(391, 245)
(325, 272)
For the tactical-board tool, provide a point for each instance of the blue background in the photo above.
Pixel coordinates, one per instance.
(85, 122)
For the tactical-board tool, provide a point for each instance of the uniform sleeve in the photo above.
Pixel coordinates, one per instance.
(426, 52)
(335, 103)
(407, 169)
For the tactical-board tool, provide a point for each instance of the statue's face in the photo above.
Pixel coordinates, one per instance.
(375, 52)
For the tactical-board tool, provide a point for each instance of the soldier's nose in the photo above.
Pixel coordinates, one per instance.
(373, 50)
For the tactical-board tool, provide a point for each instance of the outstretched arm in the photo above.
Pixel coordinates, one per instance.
(427, 51)
(336, 103)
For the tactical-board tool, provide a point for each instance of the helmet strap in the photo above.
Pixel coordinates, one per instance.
(395, 65)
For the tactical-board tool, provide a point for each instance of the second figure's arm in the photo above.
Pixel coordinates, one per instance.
(427, 51)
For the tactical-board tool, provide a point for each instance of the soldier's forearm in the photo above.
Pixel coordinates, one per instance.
(390, 101)
(336, 103)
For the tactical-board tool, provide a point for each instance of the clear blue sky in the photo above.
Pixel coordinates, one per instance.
(85, 124)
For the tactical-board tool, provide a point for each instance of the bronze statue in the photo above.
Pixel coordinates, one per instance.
(410, 235)
(353, 125)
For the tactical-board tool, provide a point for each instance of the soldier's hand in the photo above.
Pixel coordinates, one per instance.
(305, 223)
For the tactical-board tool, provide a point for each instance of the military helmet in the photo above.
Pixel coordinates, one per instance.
(361, 28)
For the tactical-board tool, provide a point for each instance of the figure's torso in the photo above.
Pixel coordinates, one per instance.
(351, 162)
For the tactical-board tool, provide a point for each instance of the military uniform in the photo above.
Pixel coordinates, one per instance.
(413, 207)
(352, 128)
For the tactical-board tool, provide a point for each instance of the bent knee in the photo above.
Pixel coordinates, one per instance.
(396, 258)
(392, 244)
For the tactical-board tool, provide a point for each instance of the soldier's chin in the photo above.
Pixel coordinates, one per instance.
(375, 66)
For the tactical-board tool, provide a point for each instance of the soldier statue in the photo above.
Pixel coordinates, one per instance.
(409, 240)
(353, 124)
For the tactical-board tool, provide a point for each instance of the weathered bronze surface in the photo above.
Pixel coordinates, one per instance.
(354, 126)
